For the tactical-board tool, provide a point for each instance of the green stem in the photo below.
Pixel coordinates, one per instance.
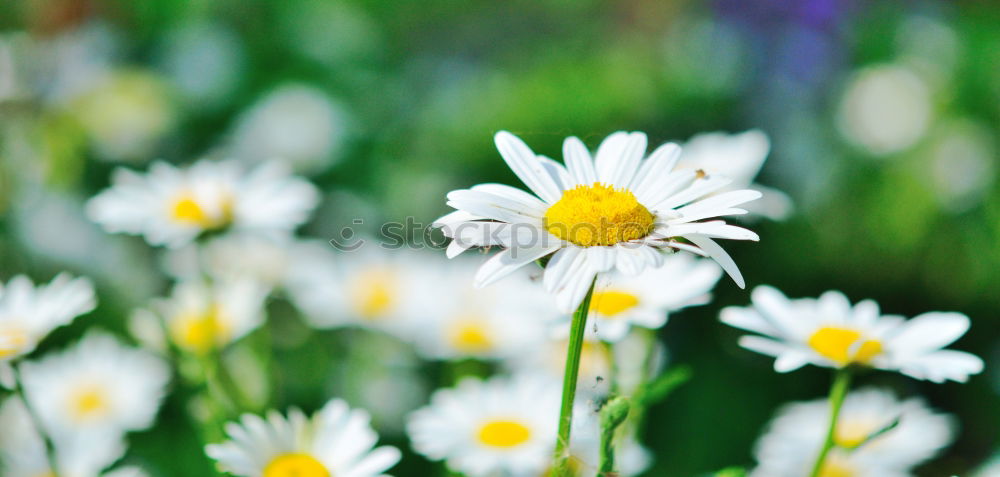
(838, 391)
(36, 421)
(576, 337)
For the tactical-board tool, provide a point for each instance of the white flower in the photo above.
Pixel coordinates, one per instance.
(613, 212)
(886, 109)
(739, 157)
(173, 206)
(503, 426)
(335, 442)
(462, 321)
(79, 454)
(201, 317)
(97, 384)
(368, 287)
(829, 332)
(126, 114)
(644, 300)
(29, 313)
(794, 437)
(297, 123)
(236, 255)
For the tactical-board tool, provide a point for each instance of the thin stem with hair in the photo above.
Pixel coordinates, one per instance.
(574, 349)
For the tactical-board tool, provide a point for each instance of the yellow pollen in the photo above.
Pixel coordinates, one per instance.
(836, 467)
(844, 345)
(12, 342)
(88, 402)
(296, 465)
(471, 336)
(374, 293)
(201, 333)
(611, 302)
(851, 434)
(504, 434)
(597, 215)
(187, 210)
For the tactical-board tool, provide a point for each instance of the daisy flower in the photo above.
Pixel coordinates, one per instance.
(28, 313)
(79, 454)
(368, 288)
(462, 321)
(548, 361)
(613, 212)
(172, 206)
(98, 383)
(789, 446)
(502, 426)
(830, 332)
(621, 302)
(738, 157)
(336, 441)
(201, 317)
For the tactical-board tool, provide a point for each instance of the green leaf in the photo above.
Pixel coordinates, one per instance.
(658, 389)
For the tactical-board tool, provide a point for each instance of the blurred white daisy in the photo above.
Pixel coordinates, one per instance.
(739, 157)
(335, 442)
(97, 384)
(462, 321)
(173, 206)
(789, 447)
(28, 313)
(200, 317)
(548, 361)
(369, 287)
(502, 426)
(79, 454)
(830, 332)
(297, 123)
(644, 300)
(125, 114)
(268, 260)
(613, 212)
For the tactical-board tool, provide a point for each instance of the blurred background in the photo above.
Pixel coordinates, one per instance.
(883, 118)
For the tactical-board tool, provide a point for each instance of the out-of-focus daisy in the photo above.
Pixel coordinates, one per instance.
(172, 206)
(29, 313)
(79, 454)
(830, 332)
(465, 321)
(548, 360)
(503, 426)
(297, 123)
(739, 157)
(788, 449)
(98, 383)
(200, 317)
(125, 114)
(644, 300)
(369, 287)
(336, 441)
(268, 260)
(616, 211)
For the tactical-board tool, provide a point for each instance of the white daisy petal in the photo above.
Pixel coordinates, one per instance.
(526, 166)
(581, 166)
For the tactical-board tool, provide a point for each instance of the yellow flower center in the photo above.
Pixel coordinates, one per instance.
(88, 402)
(201, 333)
(374, 293)
(12, 342)
(296, 465)
(837, 467)
(611, 302)
(471, 336)
(187, 210)
(851, 434)
(598, 215)
(504, 434)
(844, 345)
